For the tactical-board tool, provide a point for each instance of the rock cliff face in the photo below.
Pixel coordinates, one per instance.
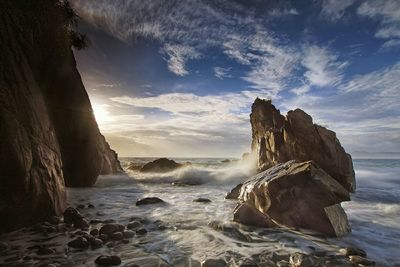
(278, 139)
(48, 135)
(294, 194)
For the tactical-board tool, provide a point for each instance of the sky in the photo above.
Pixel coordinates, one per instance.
(177, 78)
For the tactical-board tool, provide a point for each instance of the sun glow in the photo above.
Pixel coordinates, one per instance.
(101, 114)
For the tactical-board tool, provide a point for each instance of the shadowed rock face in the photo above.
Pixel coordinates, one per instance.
(277, 139)
(294, 194)
(48, 135)
(161, 165)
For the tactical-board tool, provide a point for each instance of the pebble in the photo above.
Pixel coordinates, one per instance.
(79, 242)
(108, 260)
(117, 236)
(103, 237)
(128, 233)
(133, 225)
(111, 228)
(94, 232)
(141, 231)
(96, 243)
(149, 200)
(202, 200)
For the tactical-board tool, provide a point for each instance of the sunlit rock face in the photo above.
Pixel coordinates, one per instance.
(295, 195)
(48, 135)
(277, 139)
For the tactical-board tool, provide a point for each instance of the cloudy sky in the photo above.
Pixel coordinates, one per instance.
(178, 77)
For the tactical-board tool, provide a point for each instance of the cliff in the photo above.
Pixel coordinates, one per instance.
(278, 139)
(49, 138)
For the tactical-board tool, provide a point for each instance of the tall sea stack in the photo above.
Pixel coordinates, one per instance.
(49, 137)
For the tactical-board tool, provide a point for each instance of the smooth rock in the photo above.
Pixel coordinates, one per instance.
(278, 139)
(141, 231)
(133, 225)
(128, 233)
(161, 165)
(108, 260)
(296, 195)
(96, 243)
(79, 242)
(149, 200)
(202, 200)
(234, 193)
(117, 236)
(111, 228)
(213, 263)
(94, 232)
(72, 216)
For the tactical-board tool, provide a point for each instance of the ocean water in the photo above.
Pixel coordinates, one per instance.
(374, 215)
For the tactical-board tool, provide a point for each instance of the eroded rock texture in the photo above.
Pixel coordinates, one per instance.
(295, 195)
(278, 139)
(48, 134)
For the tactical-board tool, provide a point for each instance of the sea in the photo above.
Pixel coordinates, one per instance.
(373, 213)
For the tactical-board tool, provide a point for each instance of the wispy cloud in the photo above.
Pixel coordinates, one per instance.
(334, 10)
(177, 55)
(388, 13)
(222, 73)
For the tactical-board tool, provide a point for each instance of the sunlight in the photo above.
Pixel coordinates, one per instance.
(101, 114)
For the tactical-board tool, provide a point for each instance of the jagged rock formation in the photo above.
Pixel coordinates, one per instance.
(48, 133)
(161, 165)
(277, 139)
(295, 195)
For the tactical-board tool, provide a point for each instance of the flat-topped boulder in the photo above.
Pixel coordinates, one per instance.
(161, 165)
(278, 139)
(295, 195)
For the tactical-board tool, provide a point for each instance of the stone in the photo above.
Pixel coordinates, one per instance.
(103, 237)
(117, 236)
(213, 263)
(96, 243)
(134, 166)
(361, 260)
(352, 251)
(128, 233)
(161, 165)
(234, 193)
(141, 231)
(278, 139)
(44, 251)
(301, 260)
(149, 200)
(133, 225)
(72, 216)
(82, 224)
(202, 200)
(295, 195)
(111, 228)
(108, 260)
(79, 243)
(94, 232)
(91, 206)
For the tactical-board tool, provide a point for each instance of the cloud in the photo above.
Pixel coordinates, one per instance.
(222, 73)
(177, 55)
(334, 10)
(388, 14)
(323, 66)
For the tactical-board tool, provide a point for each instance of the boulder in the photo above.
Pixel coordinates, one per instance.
(161, 165)
(296, 195)
(234, 193)
(149, 200)
(278, 139)
(111, 228)
(108, 260)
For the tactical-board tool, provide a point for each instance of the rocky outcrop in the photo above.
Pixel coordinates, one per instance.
(48, 134)
(277, 139)
(161, 165)
(294, 195)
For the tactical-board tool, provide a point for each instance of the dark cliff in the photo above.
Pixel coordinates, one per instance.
(48, 134)
(277, 139)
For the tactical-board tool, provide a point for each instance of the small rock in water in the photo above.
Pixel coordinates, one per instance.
(96, 243)
(141, 231)
(128, 233)
(94, 232)
(149, 200)
(44, 251)
(108, 260)
(111, 228)
(361, 261)
(352, 251)
(91, 206)
(301, 260)
(202, 200)
(71, 216)
(79, 242)
(82, 224)
(117, 236)
(103, 237)
(133, 225)
(213, 263)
